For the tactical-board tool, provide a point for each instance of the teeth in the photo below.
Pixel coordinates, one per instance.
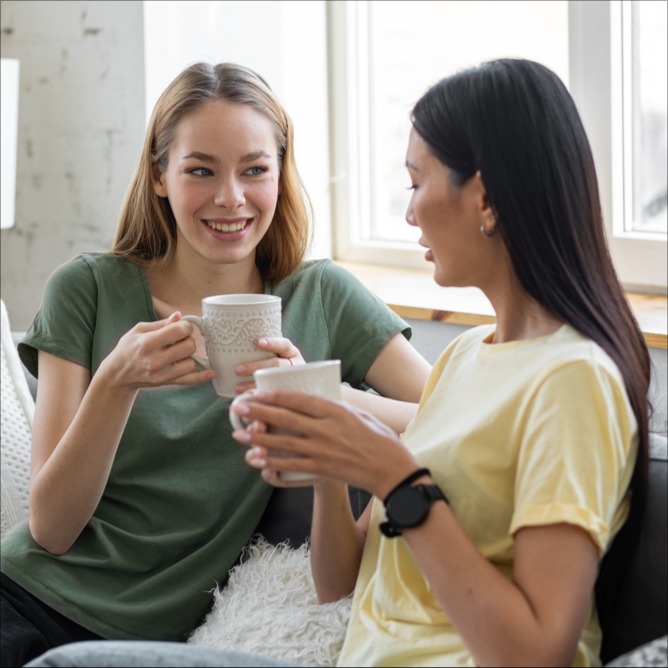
(225, 227)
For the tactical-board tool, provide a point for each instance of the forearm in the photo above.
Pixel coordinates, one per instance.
(336, 542)
(501, 621)
(68, 486)
(394, 413)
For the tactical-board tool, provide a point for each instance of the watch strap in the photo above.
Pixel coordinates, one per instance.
(407, 481)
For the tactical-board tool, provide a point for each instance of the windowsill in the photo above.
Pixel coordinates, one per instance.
(412, 293)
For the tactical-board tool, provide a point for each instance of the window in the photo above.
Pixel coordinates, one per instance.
(641, 113)
(384, 54)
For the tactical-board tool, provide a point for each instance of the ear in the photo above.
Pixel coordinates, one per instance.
(480, 194)
(158, 181)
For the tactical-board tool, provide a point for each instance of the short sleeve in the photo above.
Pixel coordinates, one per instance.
(577, 452)
(64, 325)
(359, 323)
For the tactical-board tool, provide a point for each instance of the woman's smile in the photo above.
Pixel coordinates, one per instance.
(221, 180)
(228, 229)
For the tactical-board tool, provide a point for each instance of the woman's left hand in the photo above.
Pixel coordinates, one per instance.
(287, 354)
(330, 438)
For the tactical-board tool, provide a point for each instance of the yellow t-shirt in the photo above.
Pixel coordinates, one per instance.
(516, 434)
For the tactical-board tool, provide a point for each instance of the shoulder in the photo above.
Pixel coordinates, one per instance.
(310, 271)
(322, 276)
(573, 353)
(78, 285)
(89, 266)
(469, 341)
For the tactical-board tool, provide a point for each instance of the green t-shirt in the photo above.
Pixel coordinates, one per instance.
(180, 503)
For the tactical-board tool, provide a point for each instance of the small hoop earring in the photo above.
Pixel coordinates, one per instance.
(486, 233)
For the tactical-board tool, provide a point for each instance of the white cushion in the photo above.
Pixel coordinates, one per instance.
(269, 607)
(17, 409)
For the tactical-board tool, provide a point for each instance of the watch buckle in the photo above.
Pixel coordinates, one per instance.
(389, 530)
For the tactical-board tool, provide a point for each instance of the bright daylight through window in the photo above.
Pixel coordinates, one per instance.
(644, 116)
(385, 54)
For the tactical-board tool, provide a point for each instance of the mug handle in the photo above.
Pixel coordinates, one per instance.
(197, 321)
(236, 421)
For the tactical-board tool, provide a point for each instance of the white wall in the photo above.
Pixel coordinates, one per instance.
(284, 41)
(81, 126)
(82, 117)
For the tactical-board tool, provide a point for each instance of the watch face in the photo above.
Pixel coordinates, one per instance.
(408, 507)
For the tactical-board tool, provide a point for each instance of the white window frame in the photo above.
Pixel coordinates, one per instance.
(595, 82)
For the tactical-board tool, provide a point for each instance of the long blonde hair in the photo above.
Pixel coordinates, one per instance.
(146, 230)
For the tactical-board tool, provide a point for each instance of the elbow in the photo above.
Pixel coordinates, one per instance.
(47, 539)
(331, 596)
(332, 590)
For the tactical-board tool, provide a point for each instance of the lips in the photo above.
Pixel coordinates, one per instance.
(429, 255)
(228, 226)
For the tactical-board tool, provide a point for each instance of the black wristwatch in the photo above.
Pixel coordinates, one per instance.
(408, 506)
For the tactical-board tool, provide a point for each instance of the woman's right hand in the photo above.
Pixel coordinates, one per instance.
(154, 354)
(79, 421)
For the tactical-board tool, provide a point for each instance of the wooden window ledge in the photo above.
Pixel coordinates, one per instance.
(412, 293)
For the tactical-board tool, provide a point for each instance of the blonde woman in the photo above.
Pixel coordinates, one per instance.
(140, 500)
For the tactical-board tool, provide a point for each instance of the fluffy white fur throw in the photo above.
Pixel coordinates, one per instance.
(269, 607)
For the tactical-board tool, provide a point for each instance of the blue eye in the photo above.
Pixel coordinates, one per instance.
(257, 171)
(200, 171)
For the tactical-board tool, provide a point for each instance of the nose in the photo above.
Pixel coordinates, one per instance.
(230, 194)
(410, 216)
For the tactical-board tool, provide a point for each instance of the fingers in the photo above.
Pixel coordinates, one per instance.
(325, 438)
(156, 325)
(267, 402)
(165, 333)
(190, 377)
(278, 345)
(272, 465)
(160, 353)
(285, 354)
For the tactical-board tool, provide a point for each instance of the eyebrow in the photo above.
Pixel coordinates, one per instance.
(205, 157)
(254, 155)
(413, 167)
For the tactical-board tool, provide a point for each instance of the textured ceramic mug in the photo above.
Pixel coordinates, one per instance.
(231, 325)
(315, 378)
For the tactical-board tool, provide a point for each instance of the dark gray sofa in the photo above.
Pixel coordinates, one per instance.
(643, 589)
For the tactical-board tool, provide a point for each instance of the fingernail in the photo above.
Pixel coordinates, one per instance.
(241, 370)
(262, 342)
(241, 435)
(258, 460)
(241, 409)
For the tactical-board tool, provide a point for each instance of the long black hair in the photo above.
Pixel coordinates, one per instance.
(515, 122)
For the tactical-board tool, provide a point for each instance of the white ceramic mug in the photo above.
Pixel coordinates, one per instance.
(316, 378)
(231, 325)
